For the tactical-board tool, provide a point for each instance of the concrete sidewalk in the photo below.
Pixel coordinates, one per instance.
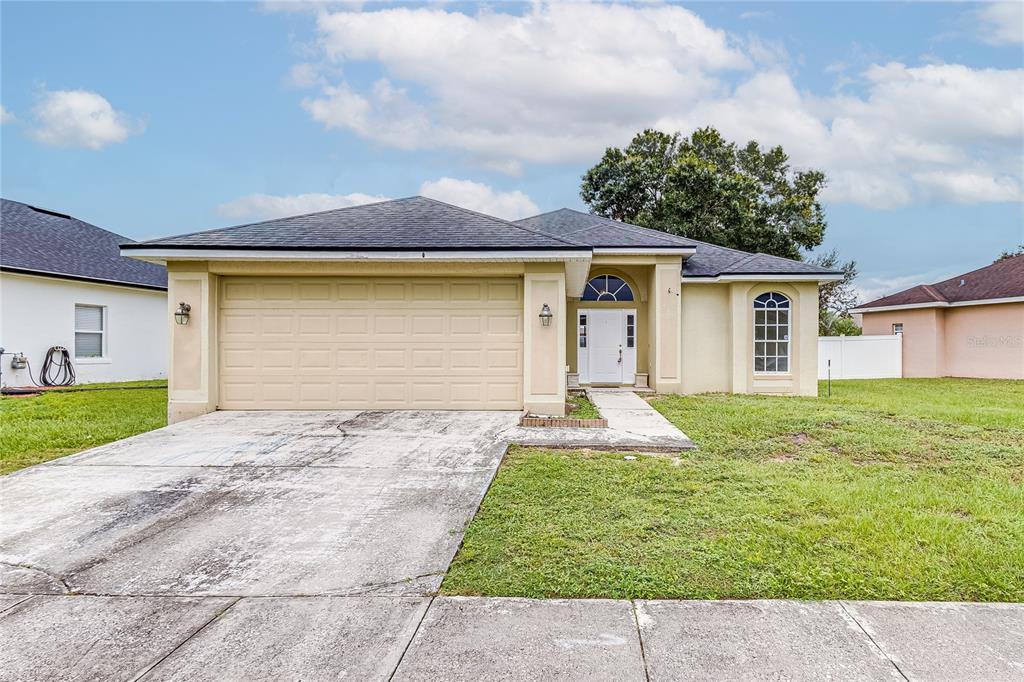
(632, 425)
(475, 638)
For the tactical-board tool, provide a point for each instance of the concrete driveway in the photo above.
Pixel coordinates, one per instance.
(254, 504)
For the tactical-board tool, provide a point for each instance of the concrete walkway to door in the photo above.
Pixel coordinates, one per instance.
(632, 425)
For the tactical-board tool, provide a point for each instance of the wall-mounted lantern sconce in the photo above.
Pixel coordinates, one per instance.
(545, 315)
(182, 313)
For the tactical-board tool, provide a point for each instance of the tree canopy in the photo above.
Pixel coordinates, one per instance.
(1010, 253)
(707, 188)
(836, 298)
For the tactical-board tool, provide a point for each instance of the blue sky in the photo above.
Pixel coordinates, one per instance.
(156, 118)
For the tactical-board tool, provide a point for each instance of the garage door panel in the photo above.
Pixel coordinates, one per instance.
(428, 291)
(346, 343)
(314, 325)
(509, 292)
(389, 325)
(356, 324)
(390, 359)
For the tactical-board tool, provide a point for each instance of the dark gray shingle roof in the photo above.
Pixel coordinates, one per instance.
(596, 231)
(415, 223)
(41, 241)
(710, 260)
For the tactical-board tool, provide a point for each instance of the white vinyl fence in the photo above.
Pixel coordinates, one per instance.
(860, 357)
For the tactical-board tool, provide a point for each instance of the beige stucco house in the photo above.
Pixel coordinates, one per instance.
(417, 304)
(971, 325)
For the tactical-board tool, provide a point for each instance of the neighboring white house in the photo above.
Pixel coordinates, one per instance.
(64, 283)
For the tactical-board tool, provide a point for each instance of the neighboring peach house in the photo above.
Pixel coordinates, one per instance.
(418, 304)
(971, 325)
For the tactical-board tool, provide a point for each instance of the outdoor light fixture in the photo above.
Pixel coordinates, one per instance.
(545, 315)
(182, 313)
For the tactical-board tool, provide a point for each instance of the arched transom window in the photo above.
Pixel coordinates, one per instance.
(771, 333)
(607, 288)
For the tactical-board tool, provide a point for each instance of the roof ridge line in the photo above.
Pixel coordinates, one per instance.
(749, 257)
(68, 216)
(971, 272)
(658, 234)
(271, 220)
(502, 220)
(935, 293)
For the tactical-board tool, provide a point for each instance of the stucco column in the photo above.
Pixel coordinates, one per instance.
(544, 347)
(739, 320)
(805, 351)
(665, 315)
(192, 367)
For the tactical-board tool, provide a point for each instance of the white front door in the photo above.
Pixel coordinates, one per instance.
(609, 353)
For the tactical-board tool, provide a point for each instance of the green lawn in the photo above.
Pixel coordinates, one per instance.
(909, 490)
(37, 429)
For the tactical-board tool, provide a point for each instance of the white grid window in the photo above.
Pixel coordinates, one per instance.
(583, 331)
(630, 331)
(771, 333)
(89, 331)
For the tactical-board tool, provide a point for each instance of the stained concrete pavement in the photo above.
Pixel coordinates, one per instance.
(254, 504)
(310, 546)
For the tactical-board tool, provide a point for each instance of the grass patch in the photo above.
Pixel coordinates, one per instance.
(582, 408)
(890, 490)
(40, 428)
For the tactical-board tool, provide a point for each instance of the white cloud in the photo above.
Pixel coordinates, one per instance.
(268, 206)
(519, 88)
(1001, 23)
(915, 130)
(305, 75)
(969, 188)
(80, 118)
(563, 81)
(5, 115)
(479, 197)
(385, 114)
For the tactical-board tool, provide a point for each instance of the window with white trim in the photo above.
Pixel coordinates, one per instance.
(607, 288)
(771, 333)
(630, 331)
(583, 331)
(90, 331)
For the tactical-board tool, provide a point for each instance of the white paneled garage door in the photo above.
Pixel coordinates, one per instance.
(386, 343)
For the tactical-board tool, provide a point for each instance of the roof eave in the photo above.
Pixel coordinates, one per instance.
(83, 278)
(937, 304)
(766, 277)
(154, 253)
(646, 250)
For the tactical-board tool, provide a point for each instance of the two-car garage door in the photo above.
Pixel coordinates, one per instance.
(387, 343)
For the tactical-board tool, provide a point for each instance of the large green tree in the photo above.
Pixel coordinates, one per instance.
(705, 187)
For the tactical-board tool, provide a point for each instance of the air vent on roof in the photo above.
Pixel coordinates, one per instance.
(43, 210)
(963, 282)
